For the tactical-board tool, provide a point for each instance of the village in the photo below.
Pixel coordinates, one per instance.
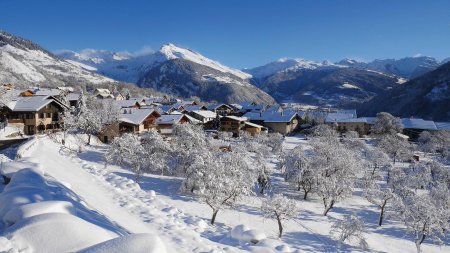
(40, 110)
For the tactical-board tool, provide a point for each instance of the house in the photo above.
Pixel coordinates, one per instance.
(190, 108)
(35, 114)
(118, 96)
(103, 94)
(253, 128)
(203, 115)
(165, 123)
(8, 86)
(283, 122)
(48, 92)
(360, 125)
(413, 127)
(443, 126)
(232, 124)
(130, 120)
(74, 99)
(131, 103)
(221, 109)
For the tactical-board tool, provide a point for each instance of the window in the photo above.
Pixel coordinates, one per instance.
(41, 115)
(49, 115)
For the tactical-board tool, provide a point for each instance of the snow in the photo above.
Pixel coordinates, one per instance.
(171, 51)
(109, 198)
(349, 86)
(135, 243)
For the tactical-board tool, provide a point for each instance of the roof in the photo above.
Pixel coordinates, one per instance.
(31, 104)
(442, 125)
(135, 116)
(253, 125)
(336, 116)
(367, 120)
(191, 108)
(271, 116)
(48, 92)
(73, 96)
(205, 113)
(418, 124)
(165, 108)
(236, 118)
(169, 119)
(215, 106)
(105, 91)
(126, 103)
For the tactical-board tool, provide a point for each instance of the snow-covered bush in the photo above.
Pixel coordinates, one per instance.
(280, 208)
(386, 124)
(350, 229)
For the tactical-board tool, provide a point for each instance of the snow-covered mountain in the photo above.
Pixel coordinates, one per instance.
(408, 67)
(427, 96)
(287, 64)
(173, 70)
(24, 62)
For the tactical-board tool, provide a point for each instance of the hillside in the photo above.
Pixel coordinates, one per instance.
(23, 62)
(427, 97)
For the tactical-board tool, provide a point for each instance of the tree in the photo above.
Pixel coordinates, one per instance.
(220, 179)
(336, 171)
(427, 215)
(395, 146)
(127, 150)
(299, 171)
(94, 114)
(280, 208)
(264, 182)
(158, 152)
(351, 228)
(379, 196)
(385, 123)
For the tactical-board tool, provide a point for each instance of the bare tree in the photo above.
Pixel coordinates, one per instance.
(280, 208)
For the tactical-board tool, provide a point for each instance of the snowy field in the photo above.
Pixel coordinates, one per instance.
(108, 212)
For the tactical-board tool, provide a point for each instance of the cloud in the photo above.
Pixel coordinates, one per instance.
(418, 55)
(145, 50)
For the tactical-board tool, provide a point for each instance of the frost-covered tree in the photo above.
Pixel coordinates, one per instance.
(264, 181)
(127, 150)
(336, 169)
(427, 215)
(94, 114)
(379, 195)
(220, 179)
(395, 146)
(386, 124)
(280, 208)
(299, 171)
(324, 131)
(377, 160)
(351, 229)
(158, 152)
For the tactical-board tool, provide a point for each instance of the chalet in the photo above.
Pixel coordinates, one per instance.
(232, 124)
(203, 115)
(130, 121)
(131, 103)
(48, 92)
(35, 114)
(165, 109)
(8, 86)
(165, 123)
(253, 128)
(413, 127)
(103, 94)
(117, 96)
(360, 125)
(190, 108)
(283, 122)
(74, 99)
(221, 109)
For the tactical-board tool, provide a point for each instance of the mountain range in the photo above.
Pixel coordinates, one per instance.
(186, 73)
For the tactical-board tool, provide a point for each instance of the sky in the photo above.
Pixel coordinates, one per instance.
(239, 33)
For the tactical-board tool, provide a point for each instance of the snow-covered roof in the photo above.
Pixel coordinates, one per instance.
(169, 119)
(442, 125)
(126, 103)
(30, 104)
(418, 124)
(205, 113)
(236, 118)
(48, 92)
(253, 125)
(102, 91)
(73, 96)
(165, 108)
(215, 106)
(135, 116)
(271, 116)
(367, 120)
(191, 108)
(335, 116)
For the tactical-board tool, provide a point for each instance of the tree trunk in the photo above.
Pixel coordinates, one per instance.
(380, 220)
(213, 219)
(328, 208)
(305, 196)
(280, 227)
(89, 139)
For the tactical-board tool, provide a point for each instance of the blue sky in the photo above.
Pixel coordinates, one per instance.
(241, 33)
